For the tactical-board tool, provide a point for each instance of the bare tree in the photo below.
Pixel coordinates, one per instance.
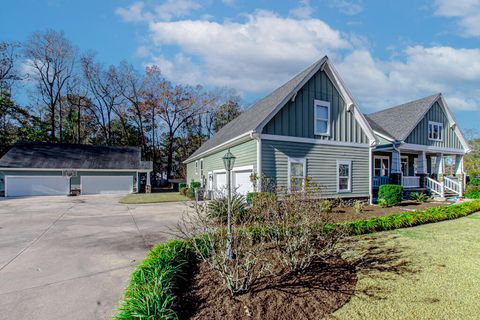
(52, 58)
(8, 71)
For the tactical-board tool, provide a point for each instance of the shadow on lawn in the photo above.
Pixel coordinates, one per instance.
(322, 289)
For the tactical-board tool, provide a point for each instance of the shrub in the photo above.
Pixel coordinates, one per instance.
(193, 186)
(151, 293)
(250, 196)
(391, 193)
(326, 206)
(473, 195)
(359, 206)
(472, 188)
(474, 182)
(184, 191)
(419, 197)
(218, 208)
(181, 187)
(382, 203)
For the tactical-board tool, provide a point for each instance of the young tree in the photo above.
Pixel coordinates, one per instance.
(51, 57)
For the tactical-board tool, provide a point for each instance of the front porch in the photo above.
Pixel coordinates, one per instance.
(419, 169)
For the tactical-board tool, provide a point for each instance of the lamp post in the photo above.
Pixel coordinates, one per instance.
(228, 162)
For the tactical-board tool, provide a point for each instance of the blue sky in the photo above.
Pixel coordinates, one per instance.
(388, 52)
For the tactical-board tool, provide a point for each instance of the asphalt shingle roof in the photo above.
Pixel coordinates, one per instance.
(251, 118)
(72, 156)
(397, 122)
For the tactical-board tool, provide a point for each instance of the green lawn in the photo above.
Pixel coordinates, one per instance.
(139, 198)
(426, 272)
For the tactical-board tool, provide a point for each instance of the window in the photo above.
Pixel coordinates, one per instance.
(196, 167)
(381, 166)
(344, 176)
(201, 167)
(322, 117)
(435, 131)
(297, 171)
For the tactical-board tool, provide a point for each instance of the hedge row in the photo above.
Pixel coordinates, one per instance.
(151, 293)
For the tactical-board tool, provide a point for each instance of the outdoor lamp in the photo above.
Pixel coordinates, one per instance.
(228, 160)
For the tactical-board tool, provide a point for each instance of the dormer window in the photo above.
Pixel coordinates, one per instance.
(322, 118)
(435, 131)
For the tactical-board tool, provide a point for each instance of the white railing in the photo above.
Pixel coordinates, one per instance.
(378, 181)
(411, 182)
(452, 185)
(435, 186)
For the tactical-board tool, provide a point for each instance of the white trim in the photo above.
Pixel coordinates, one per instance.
(79, 170)
(242, 168)
(453, 123)
(432, 124)
(349, 163)
(407, 167)
(227, 144)
(421, 147)
(313, 141)
(375, 157)
(320, 103)
(259, 164)
(296, 160)
(384, 136)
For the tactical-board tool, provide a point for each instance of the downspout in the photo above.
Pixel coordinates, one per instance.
(370, 175)
(258, 138)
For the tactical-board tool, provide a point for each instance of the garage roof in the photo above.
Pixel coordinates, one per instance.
(37, 155)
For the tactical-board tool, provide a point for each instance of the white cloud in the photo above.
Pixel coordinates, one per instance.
(418, 71)
(253, 55)
(303, 11)
(466, 11)
(167, 10)
(348, 7)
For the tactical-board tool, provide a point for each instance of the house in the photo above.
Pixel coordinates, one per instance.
(32, 168)
(312, 127)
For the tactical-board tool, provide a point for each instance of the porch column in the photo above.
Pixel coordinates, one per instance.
(440, 167)
(396, 170)
(148, 187)
(422, 168)
(459, 173)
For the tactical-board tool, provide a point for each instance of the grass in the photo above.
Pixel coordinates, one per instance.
(139, 198)
(438, 279)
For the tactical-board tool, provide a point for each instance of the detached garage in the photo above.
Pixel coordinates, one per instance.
(36, 169)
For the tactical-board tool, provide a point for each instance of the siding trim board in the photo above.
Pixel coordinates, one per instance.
(312, 141)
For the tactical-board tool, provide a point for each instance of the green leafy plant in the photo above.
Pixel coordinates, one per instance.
(359, 206)
(472, 188)
(419, 197)
(181, 187)
(217, 208)
(382, 203)
(473, 195)
(193, 186)
(326, 206)
(391, 193)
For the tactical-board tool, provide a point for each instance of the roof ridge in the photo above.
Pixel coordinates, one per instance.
(405, 103)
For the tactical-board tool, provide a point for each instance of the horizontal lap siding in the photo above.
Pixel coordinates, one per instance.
(419, 135)
(321, 164)
(297, 118)
(245, 154)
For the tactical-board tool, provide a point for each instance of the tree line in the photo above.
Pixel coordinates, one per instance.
(75, 98)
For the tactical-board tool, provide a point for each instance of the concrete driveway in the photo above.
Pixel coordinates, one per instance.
(70, 258)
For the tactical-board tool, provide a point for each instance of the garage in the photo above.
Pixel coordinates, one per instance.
(241, 181)
(220, 181)
(106, 184)
(19, 186)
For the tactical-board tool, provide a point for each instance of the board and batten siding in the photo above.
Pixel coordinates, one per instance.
(245, 154)
(297, 118)
(321, 165)
(419, 135)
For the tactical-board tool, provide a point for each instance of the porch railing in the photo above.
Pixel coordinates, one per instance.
(435, 186)
(380, 180)
(411, 182)
(452, 185)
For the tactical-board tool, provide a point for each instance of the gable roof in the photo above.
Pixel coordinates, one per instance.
(37, 155)
(397, 122)
(255, 117)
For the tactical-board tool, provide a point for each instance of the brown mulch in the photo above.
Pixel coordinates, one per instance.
(317, 293)
(348, 213)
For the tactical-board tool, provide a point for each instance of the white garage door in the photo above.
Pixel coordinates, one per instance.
(36, 186)
(241, 181)
(220, 181)
(106, 184)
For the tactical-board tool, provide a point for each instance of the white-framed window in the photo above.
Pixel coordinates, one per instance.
(297, 171)
(344, 175)
(435, 131)
(322, 118)
(196, 167)
(381, 166)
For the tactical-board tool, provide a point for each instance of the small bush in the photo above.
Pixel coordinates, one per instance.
(474, 182)
(250, 196)
(181, 186)
(359, 206)
(382, 203)
(326, 206)
(191, 190)
(472, 188)
(184, 191)
(391, 193)
(419, 197)
(473, 195)
(218, 208)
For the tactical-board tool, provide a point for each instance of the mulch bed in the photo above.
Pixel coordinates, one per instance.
(348, 213)
(324, 288)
